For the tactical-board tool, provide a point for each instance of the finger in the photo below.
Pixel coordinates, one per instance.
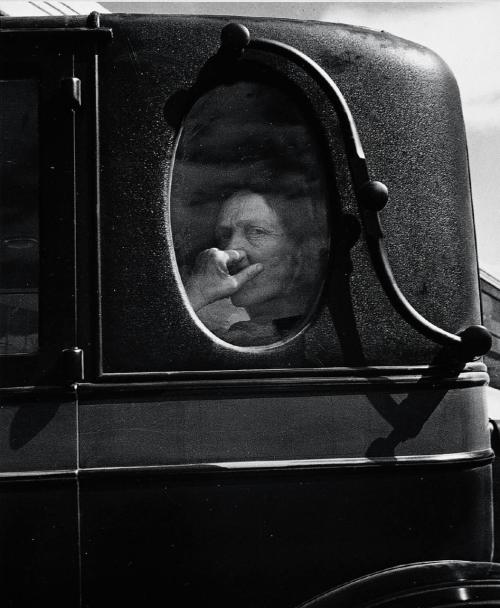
(238, 260)
(247, 274)
(212, 256)
(235, 255)
(220, 258)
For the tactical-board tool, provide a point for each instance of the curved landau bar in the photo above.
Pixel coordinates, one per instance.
(372, 196)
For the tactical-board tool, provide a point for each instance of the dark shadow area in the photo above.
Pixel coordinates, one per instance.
(408, 417)
(28, 421)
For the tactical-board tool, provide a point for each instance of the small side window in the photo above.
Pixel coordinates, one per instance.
(19, 216)
(249, 213)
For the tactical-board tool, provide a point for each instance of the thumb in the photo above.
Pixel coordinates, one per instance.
(247, 273)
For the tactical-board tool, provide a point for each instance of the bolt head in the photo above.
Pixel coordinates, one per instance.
(374, 195)
(235, 36)
(476, 340)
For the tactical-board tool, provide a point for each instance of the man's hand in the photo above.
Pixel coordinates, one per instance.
(211, 279)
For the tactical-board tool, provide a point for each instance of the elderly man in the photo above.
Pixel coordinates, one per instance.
(261, 264)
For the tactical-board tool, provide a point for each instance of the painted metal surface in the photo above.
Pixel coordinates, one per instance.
(390, 86)
(39, 550)
(38, 434)
(93, 482)
(164, 431)
(271, 540)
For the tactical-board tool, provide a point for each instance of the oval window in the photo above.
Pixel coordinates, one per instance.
(248, 213)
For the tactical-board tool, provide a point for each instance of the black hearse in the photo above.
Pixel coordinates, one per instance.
(241, 341)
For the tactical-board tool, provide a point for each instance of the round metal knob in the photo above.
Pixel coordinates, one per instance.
(235, 37)
(476, 340)
(373, 195)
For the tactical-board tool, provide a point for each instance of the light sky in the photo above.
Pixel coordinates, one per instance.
(465, 34)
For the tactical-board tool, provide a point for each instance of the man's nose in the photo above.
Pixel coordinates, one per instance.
(237, 242)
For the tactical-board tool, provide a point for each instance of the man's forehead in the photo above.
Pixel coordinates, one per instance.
(246, 207)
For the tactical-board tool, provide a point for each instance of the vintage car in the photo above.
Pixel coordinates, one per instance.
(241, 325)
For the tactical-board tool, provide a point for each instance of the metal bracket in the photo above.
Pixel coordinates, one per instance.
(73, 365)
(371, 195)
(71, 90)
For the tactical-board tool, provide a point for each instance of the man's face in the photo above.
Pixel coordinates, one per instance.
(247, 222)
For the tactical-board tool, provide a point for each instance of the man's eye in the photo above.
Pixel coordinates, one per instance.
(256, 231)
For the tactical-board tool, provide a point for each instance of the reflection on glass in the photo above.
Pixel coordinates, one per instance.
(18, 216)
(248, 214)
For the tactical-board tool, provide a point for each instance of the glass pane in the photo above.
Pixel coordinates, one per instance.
(19, 257)
(248, 214)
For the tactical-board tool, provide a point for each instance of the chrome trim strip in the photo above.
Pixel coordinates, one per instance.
(56, 474)
(434, 459)
(346, 383)
(366, 371)
(382, 460)
(256, 465)
(473, 374)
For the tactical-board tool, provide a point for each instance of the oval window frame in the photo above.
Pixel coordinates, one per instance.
(177, 110)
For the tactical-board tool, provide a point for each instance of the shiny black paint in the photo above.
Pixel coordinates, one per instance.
(39, 549)
(270, 539)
